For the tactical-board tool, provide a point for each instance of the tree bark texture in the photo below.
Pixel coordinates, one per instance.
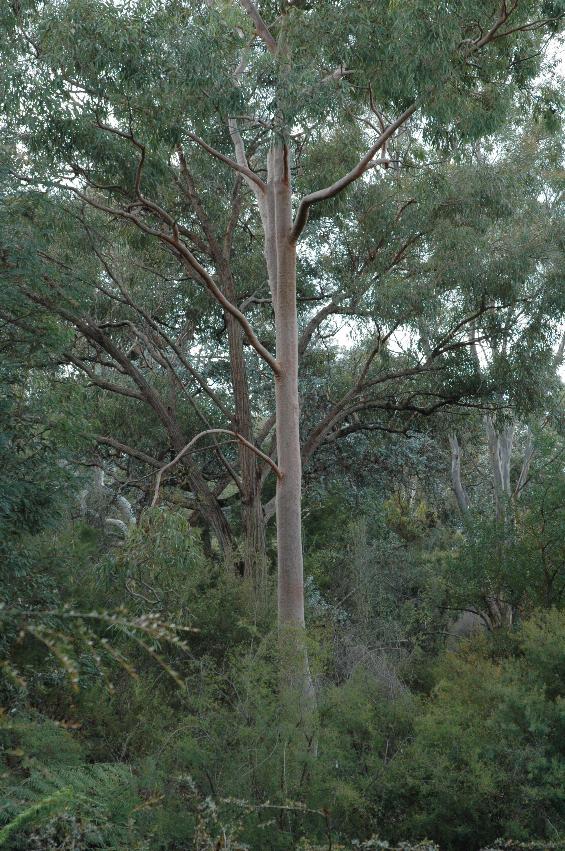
(289, 486)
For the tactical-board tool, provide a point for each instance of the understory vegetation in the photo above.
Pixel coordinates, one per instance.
(118, 734)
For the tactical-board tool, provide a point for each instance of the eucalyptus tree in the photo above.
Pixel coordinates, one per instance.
(522, 355)
(192, 124)
(520, 465)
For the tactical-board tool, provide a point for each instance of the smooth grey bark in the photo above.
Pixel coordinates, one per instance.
(495, 463)
(526, 463)
(497, 612)
(97, 501)
(459, 490)
(500, 453)
(274, 202)
(505, 439)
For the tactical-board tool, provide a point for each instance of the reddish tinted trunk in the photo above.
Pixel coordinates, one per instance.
(289, 486)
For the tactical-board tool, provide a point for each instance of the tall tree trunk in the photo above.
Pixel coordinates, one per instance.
(253, 520)
(289, 486)
(296, 671)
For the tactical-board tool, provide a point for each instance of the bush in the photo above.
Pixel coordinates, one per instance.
(487, 754)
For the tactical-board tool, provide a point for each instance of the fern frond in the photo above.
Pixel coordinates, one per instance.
(31, 815)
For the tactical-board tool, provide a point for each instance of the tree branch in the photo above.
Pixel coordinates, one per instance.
(127, 299)
(189, 445)
(190, 260)
(503, 15)
(350, 177)
(242, 169)
(261, 27)
(127, 450)
(101, 382)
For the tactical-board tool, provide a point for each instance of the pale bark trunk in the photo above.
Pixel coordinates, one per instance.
(281, 255)
(494, 453)
(505, 439)
(525, 470)
(498, 614)
(500, 451)
(458, 489)
(289, 486)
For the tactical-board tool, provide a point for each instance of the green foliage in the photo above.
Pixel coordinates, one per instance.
(470, 751)
(487, 747)
(144, 708)
(48, 777)
(521, 559)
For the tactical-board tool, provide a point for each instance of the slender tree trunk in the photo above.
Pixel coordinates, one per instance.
(459, 490)
(296, 669)
(525, 469)
(289, 486)
(495, 461)
(505, 439)
(253, 520)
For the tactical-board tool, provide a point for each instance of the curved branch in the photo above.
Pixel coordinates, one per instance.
(189, 446)
(350, 177)
(242, 169)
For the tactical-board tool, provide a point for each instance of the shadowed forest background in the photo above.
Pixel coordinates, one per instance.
(282, 460)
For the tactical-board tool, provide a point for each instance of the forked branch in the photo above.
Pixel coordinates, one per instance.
(182, 251)
(350, 177)
(189, 446)
(242, 169)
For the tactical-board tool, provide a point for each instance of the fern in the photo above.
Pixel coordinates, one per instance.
(33, 813)
(104, 796)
